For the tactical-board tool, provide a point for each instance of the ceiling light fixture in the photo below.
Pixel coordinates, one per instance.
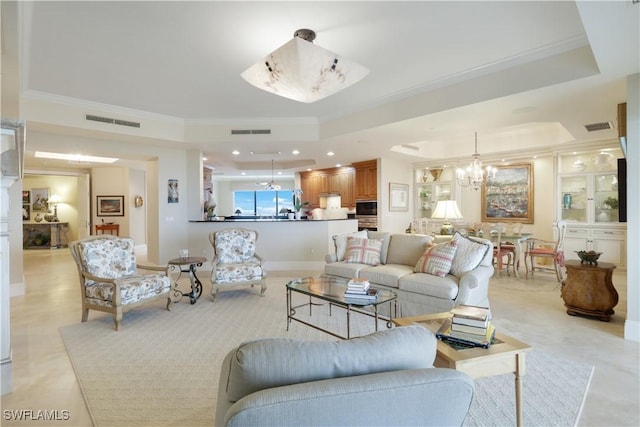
(473, 176)
(303, 71)
(79, 158)
(272, 185)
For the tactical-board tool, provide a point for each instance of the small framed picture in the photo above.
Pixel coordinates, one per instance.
(172, 191)
(39, 198)
(110, 205)
(26, 197)
(26, 212)
(398, 197)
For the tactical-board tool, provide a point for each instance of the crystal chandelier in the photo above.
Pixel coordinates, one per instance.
(473, 176)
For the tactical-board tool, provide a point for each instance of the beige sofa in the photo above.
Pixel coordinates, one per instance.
(419, 292)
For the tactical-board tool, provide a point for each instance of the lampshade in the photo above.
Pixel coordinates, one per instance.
(303, 71)
(447, 210)
(54, 199)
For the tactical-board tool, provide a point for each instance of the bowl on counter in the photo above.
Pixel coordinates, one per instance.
(589, 257)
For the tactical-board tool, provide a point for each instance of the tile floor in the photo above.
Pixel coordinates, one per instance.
(530, 310)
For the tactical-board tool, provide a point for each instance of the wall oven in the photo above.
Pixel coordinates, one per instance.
(367, 215)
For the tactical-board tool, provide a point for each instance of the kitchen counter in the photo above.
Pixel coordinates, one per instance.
(269, 220)
(283, 244)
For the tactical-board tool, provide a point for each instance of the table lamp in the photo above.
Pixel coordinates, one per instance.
(54, 200)
(447, 210)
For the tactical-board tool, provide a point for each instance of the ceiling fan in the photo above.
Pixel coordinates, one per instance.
(272, 184)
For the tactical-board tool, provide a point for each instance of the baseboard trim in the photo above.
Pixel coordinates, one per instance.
(632, 330)
(6, 373)
(16, 289)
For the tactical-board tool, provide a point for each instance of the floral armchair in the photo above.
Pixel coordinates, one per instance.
(109, 277)
(235, 261)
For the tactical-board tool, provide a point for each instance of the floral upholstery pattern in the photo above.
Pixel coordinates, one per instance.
(235, 245)
(108, 258)
(112, 259)
(235, 261)
(238, 272)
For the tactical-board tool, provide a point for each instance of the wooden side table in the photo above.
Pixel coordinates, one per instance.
(505, 355)
(108, 228)
(588, 289)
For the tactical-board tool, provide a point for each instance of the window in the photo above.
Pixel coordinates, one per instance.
(262, 203)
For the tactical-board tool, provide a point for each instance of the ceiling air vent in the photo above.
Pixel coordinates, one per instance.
(598, 126)
(112, 121)
(250, 131)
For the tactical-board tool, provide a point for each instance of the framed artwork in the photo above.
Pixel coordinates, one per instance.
(110, 205)
(398, 197)
(39, 198)
(26, 197)
(172, 191)
(26, 212)
(508, 197)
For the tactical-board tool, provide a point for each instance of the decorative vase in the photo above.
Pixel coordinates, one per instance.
(435, 173)
(298, 215)
(38, 217)
(291, 215)
(566, 201)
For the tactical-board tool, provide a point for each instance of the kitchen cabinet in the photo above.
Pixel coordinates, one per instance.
(323, 181)
(366, 185)
(587, 199)
(432, 185)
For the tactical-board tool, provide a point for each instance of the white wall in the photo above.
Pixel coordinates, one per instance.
(111, 181)
(632, 323)
(137, 215)
(397, 172)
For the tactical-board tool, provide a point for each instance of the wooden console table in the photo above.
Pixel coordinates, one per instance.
(588, 289)
(108, 228)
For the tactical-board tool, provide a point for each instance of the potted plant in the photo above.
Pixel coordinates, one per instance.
(298, 204)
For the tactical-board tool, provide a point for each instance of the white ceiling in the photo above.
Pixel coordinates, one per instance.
(524, 75)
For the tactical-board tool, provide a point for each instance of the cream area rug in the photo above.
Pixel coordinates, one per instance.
(162, 368)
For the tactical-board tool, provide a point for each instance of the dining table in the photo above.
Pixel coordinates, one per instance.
(516, 239)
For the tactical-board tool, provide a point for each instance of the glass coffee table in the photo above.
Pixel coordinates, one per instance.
(331, 291)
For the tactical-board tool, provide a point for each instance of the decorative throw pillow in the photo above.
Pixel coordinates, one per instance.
(468, 255)
(437, 259)
(363, 251)
(340, 241)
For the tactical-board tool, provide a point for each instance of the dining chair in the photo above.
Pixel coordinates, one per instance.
(546, 249)
(501, 251)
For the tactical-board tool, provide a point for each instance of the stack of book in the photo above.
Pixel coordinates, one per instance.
(469, 325)
(359, 291)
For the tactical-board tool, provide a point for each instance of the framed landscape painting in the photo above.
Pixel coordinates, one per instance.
(508, 197)
(110, 205)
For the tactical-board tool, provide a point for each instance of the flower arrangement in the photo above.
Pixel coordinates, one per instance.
(297, 200)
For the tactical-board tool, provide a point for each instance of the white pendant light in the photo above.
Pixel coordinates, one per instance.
(303, 71)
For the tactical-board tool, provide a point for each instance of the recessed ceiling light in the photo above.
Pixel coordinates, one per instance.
(243, 173)
(295, 152)
(235, 152)
(331, 153)
(279, 173)
(338, 165)
(204, 159)
(75, 157)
